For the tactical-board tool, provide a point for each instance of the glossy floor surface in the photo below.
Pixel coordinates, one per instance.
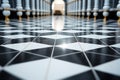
(59, 48)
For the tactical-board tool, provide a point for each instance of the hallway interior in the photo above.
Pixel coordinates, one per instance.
(59, 39)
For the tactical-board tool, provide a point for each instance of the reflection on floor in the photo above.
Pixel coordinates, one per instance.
(59, 48)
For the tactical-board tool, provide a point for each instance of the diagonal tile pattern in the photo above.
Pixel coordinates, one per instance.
(80, 50)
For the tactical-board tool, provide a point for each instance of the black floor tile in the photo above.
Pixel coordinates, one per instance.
(117, 49)
(25, 57)
(21, 40)
(2, 41)
(60, 51)
(44, 41)
(97, 59)
(7, 76)
(40, 34)
(65, 41)
(83, 76)
(6, 50)
(106, 76)
(88, 40)
(4, 58)
(45, 51)
(105, 50)
(111, 41)
(77, 58)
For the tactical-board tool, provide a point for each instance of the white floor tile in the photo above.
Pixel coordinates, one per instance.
(116, 45)
(103, 31)
(26, 46)
(56, 36)
(69, 69)
(6, 27)
(95, 36)
(38, 69)
(17, 36)
(34, 70)
(72, 31)
(112, 67)
(42, 31)
(33, 28)
(80, 46)
(11, 31)
(109, 27)
(82, 28)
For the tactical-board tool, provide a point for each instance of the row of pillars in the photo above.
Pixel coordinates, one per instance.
(83, 7)
(39, 8)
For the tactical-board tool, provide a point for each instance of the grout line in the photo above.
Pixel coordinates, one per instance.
(17, 54)
(49, 64)
(36, 54)
(66, 54)
(6, 42)
(9, 52)
(20, 52)
(101, 54)
(94, 72)
(108, 46)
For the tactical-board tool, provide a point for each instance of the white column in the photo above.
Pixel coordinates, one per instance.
(96, 5)
(106, 8)
(33, 8)
(45, 7)
(74, 10)
(68, 9)
(76, 7)
(6, 11)
(41, 3)
(79, 7)
(83, 8)
(118, 12)
(27, 8)
(71, 9)
(69, 6)
(19, 10)
(89, 8)
(38, 8)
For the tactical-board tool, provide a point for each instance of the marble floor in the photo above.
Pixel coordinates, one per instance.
(59, 48)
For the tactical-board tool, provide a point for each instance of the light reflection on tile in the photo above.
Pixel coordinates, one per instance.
(26, 46)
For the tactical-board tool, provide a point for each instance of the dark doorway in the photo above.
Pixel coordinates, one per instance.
(58, 12)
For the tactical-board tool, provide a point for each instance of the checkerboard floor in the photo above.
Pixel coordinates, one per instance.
(59, 48)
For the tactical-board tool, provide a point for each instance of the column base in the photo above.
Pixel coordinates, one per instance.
(28, 18)
(105, 20)
(88, 18)
(7, 20)
(33, 16)
(82, 17)
(95, 18)
(20, 19)
(118, 21)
